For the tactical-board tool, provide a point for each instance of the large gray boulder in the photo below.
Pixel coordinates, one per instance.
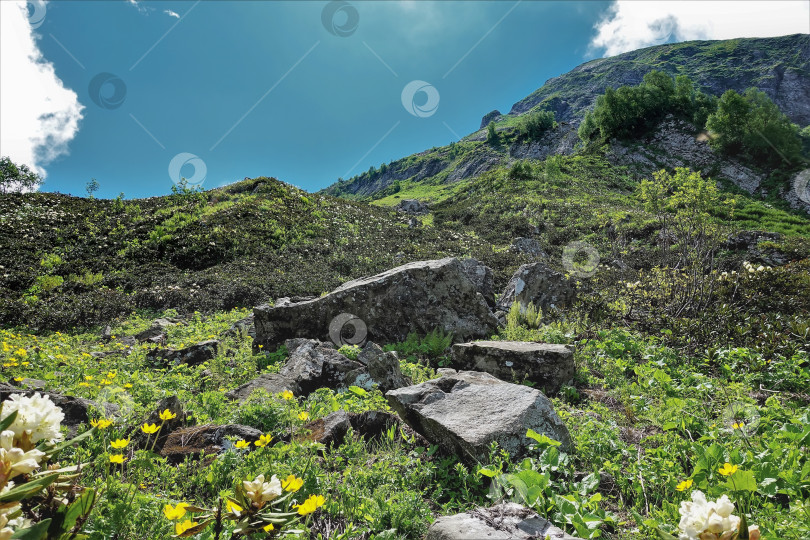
(506, 521)
(311, 365)
(465, 411)
(548, 366)
(412, 206)
(416, 297)
(537, 283)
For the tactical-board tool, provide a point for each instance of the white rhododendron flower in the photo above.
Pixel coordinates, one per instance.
(701, 516)
(15, 461)
(260, 491)
(37, 418)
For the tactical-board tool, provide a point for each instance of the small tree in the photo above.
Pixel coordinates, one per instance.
(92, 187)
(17, 177)
(686, 206)
(492, 135)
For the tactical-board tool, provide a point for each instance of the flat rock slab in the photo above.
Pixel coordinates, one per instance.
(464, 412)
(548, 366)
(502, 522)
(417, 298)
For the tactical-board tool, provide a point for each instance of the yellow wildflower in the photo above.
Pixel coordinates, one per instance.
(242, 444)
(231, 506)
(683, 486)
(310, 505)
(287, 395)
(269, 527)
(175, 512)
(117, 458)
(119, 443)
(180, 528)
(263, 441)
(304, 416)
(128, 385)
(292, 483)
(167, 415)
(727, 469)
(101, 423)
(150, 428)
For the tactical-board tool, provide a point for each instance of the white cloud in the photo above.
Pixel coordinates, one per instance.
(171, 13)
(633, 24)
(38, 115)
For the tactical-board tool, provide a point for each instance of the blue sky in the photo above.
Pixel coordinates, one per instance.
(245, 89)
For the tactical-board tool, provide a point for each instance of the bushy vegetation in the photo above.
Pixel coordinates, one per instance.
(535, 124)
(15, 177)
(751, 125)
(630, 111)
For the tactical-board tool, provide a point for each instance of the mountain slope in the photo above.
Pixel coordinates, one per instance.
(778, 66)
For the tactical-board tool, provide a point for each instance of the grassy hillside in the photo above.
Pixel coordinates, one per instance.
(70, 261)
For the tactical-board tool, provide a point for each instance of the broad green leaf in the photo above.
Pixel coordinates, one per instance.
(487, 472)
(18, 493)
(7, 421)
(541, 439)
(37, 532)
(742, 481)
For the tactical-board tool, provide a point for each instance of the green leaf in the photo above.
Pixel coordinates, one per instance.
(542, 440)
(18, 493)
(53, 450)
(487, 472)
(357, 391)
(742, 481)
(37, 532)
(7, 421)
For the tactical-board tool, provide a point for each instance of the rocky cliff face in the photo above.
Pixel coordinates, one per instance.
(779, 66)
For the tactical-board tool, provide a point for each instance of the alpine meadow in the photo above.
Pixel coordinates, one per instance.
(589, 318)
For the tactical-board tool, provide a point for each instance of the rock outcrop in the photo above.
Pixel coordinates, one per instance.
(331, 430)
(416, 297)
(506, 521)
(193, 355)
(540, 285)
(311, 365)
(547, 366)
(208, 439)
(466, 411)
(412, 206)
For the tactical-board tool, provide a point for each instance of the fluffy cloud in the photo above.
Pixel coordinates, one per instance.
(630, 24)
(38, 115)
(171, 13)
